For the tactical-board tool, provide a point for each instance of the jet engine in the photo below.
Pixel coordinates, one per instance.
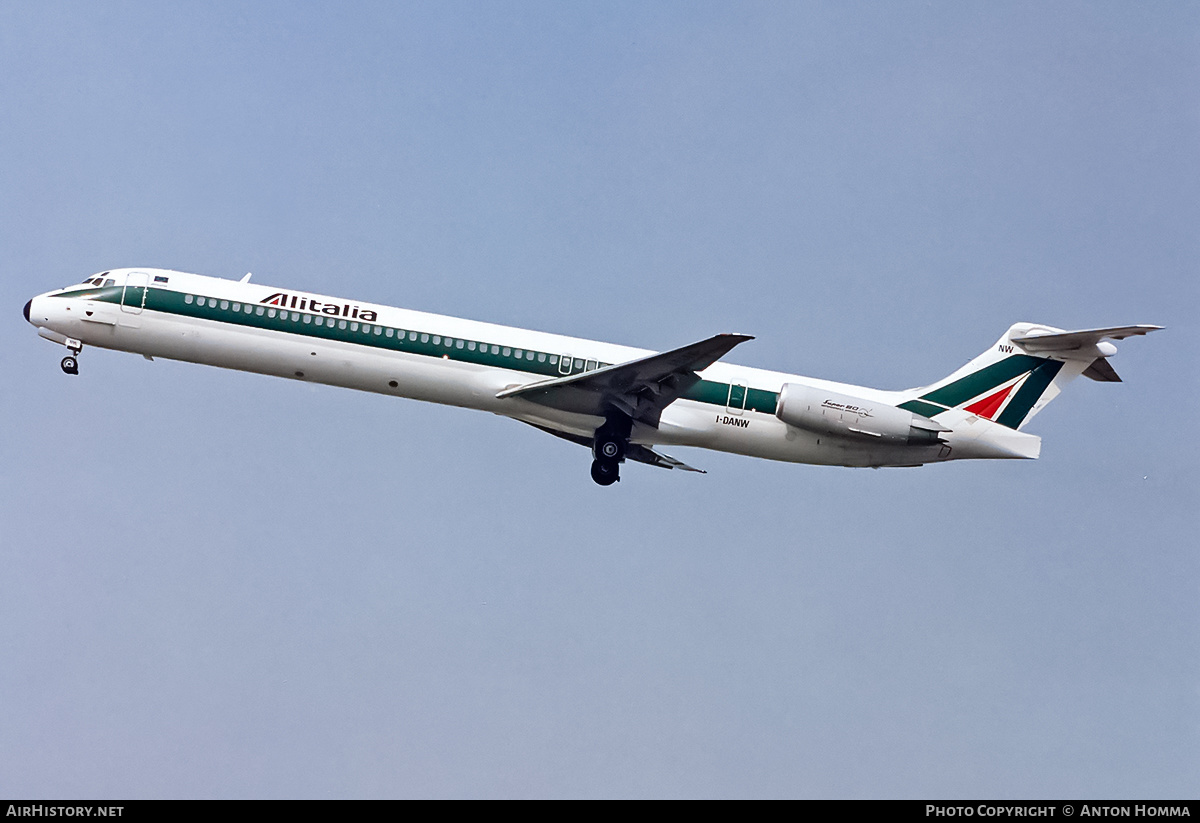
(826, 412)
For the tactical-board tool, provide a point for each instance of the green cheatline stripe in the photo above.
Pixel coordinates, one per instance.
(1033, 387)
(922, 408)
(717, 394)
(411, 341)
(987, 378)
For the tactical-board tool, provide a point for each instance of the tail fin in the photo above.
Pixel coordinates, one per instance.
(1026, 369)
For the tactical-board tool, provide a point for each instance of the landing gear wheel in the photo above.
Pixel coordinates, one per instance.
(606, 472)
(70, 365)
(610, 448)
(611, 441)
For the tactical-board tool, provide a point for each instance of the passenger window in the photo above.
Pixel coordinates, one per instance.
(224, 304)
(320, 321)
(341, 324)
(389, 332)
(436, 339)
(308, 318)
(495, 349)
(187, 298)
(237, 306)
(270, 312)
(379, 330)
(507, 351)
(471, 345)
(528, 355)
(249, 308)
(541, 357)
(458, 344)
(553, 359)
(412, 335)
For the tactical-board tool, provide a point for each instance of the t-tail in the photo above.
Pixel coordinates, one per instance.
(988, 401)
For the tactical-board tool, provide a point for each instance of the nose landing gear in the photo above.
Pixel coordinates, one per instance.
(70, 363)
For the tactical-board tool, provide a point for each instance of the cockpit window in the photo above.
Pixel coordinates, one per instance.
(109, 282)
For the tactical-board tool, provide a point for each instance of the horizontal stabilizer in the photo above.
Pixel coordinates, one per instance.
(1067, 340)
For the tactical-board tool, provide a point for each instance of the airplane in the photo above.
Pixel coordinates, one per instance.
(622, 403)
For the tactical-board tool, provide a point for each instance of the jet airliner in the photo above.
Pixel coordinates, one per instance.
(622, 403)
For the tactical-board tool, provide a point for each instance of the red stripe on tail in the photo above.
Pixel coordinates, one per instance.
(988, 406)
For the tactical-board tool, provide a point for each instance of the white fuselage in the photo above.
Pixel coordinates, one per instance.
(440, 359)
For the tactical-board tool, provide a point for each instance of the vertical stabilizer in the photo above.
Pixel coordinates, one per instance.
(1018, 376)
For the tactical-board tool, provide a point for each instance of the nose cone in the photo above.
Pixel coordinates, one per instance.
(27, 305)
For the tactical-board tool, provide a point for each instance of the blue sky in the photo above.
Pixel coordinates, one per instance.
(224, 585)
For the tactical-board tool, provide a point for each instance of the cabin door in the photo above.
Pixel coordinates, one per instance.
(737, 398)
(133, 296)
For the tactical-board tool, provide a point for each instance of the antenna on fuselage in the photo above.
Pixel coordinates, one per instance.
(245, 279)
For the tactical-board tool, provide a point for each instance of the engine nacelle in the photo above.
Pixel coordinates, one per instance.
(827, 412)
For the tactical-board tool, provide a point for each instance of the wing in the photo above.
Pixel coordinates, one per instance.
(640, 388)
